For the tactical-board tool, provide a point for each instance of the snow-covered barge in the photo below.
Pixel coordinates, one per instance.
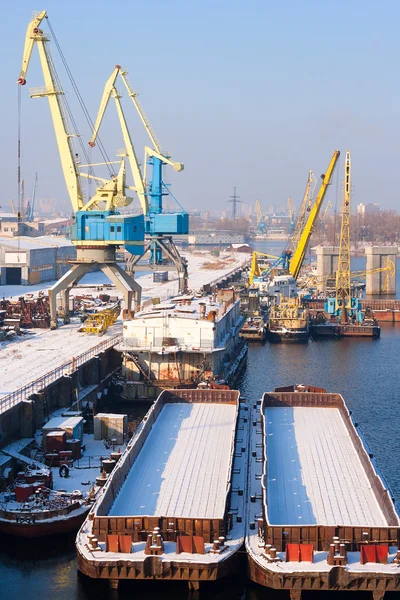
(174, 505)
(320, 516)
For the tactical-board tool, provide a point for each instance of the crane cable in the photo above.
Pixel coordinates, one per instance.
(19, 164)
(82, 105)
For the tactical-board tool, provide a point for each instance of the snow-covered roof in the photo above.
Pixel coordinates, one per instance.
(62, 423)
(29, 243)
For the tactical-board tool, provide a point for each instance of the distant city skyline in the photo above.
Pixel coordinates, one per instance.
(252, 98)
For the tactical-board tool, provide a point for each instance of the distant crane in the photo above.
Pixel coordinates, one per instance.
(291, 213)
(30, 207)
(261, 225)
(328, 206)
(304, 209)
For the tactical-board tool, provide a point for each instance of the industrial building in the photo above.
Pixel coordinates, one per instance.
(26, 260)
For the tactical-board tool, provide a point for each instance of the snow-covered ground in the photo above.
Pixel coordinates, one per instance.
(29, 357)
(198, 276)
(39, 352)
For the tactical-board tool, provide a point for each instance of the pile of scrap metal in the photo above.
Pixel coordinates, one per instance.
(100, 321)
(25, 312)
(87, 303)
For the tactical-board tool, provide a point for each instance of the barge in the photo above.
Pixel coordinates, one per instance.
(174, 506)
(183, 342)
(339, 330)
(254, 330)
(320, 516)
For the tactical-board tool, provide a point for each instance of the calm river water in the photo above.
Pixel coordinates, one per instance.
(365, 372)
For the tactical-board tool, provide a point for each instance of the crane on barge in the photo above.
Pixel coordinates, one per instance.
(159, 225)
(99, 228)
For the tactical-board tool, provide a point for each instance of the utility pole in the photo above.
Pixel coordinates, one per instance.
(235, 201)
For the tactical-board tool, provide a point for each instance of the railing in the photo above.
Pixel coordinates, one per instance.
(13, 398)
(158, 346)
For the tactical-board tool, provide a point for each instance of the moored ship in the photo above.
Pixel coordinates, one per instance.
(183, 342)
(288, 322)
(320, 516)
(31, 509)
(173, 508)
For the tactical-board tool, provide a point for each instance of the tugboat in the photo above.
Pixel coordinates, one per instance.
(288, 322)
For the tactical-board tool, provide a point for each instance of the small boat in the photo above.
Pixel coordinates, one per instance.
(31, 508)
(254, 330)
(288, 322)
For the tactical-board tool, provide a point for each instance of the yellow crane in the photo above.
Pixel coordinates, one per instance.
(258, 212)
(297, 259)
(304, 208)
(328, 206)
(99, 228)
(389, 269)
(255, 270)
(109, 92)
(343, 290)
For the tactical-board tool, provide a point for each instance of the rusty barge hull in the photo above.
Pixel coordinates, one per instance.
(337, 579)
(152, 568)
(336, 330)
(314, 457)
(174, 506)
(37, 529)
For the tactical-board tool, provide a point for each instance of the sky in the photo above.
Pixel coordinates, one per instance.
(247, 94)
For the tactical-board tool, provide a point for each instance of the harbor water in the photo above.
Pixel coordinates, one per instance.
(364, 371)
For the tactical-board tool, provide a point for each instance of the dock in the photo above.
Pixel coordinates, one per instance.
(320, 515)
(174, 505)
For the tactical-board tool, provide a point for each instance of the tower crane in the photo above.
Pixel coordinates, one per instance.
(99, 228)
(159, 225)
(343, 290)
(297, 259)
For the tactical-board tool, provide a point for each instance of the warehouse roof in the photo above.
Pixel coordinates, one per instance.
(29, 243)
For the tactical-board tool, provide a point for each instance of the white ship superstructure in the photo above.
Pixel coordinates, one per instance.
(185, 340)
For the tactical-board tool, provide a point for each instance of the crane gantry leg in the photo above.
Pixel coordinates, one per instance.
(105, 259)
(166, 247)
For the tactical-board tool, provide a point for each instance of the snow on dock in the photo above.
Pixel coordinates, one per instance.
(183, 467)
(315, 475)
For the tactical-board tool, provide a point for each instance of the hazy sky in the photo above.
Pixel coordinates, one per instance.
(248, 94)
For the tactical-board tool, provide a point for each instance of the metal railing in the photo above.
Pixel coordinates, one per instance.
(158, 346)
(17, 396)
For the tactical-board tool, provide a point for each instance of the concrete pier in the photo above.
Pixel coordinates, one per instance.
(327, 262)
(378, 256)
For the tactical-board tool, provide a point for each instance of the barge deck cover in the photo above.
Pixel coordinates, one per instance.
(315, 474)
(184, 465)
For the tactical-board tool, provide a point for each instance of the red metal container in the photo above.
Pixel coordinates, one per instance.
(55, 441)
(23, 491)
